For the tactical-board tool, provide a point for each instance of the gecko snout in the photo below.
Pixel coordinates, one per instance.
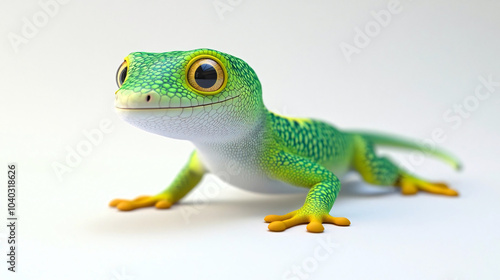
(128, 99)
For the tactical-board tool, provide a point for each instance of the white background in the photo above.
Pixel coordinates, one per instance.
(61, 82)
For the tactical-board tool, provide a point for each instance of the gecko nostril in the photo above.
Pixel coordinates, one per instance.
(148, 98)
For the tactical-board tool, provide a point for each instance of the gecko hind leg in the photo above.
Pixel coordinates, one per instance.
(381, 171)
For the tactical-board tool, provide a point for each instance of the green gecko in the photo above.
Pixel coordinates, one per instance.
(215, 101)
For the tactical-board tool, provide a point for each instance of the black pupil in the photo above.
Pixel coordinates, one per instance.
(205, 75)
(123, 75)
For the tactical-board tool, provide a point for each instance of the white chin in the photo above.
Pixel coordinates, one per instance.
(193, 124)
(169, 122)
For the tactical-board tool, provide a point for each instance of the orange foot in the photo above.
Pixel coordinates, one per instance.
(411, 185)
(160, 201)
(314, 221)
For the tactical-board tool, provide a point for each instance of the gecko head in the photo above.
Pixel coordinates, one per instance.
(198, 95)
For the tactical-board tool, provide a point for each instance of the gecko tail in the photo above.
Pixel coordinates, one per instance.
(398, 142)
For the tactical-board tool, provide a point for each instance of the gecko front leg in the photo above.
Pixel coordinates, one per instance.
(324, 188)
(186, 180)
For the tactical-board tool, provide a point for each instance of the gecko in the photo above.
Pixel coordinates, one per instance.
(214, 100)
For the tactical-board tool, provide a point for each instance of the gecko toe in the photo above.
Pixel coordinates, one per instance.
(315, 227)
(277, 226)
(339, 221)
(142, 197)
(125, 206)
(272, 218)
(115, 202)
(163, 204)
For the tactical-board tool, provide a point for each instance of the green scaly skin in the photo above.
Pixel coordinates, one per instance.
(234, 128)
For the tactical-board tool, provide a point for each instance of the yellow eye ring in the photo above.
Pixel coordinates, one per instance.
(122, 73)
(206, 75)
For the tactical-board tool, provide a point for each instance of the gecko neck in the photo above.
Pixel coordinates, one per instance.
(223, 156)
(243, 132)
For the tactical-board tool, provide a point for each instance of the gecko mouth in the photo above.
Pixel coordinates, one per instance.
(148, 98)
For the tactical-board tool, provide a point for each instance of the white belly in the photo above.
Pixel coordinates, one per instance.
(238, 164)
(244, 173)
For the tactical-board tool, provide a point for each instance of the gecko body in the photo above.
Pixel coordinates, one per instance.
(214, 100)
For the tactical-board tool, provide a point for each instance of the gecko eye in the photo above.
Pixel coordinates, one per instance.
(121, 74)
(206, 76)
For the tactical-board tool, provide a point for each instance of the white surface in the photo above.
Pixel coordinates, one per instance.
(428, 58)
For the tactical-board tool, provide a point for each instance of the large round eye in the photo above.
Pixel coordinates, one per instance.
(121, 74)
(206, 76)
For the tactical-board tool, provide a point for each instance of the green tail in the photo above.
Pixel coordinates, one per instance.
(397, 142)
